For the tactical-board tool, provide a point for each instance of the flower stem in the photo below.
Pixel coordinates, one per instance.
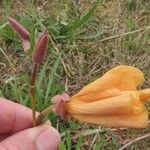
(35, 69)
(40, 118)
(33, 102)
(32, 92)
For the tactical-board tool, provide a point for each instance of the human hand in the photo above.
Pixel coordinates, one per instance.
(17, 133)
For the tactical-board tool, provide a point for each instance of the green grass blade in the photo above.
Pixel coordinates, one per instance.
(100, 143)
(79, 22)
(5, 55)
(62, 146)
(32, 40)
(90, 37)
(19, 77)
(6, 7)
(40, 86)
(3, 26)
(69, 143)
(1, 93)
(51, 79)
(41, 76)
(79, 142)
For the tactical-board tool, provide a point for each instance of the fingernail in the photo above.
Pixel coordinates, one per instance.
(48, 139)
(48, 123)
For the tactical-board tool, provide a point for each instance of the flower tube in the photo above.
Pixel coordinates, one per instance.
(112, 100)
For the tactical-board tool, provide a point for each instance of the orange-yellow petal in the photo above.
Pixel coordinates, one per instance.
(126, 103)
(118, 78)
(94, 96)
(145, 95)
(137, 120)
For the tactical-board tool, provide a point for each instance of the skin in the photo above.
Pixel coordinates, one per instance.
(17, 133)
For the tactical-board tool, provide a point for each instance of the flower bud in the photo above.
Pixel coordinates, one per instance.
(40, 49)
(20, 30)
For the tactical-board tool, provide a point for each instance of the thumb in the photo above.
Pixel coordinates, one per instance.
(39, 138)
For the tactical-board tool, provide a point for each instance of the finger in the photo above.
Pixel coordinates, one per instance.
(39, 138)
(4, 136)
(14, 117)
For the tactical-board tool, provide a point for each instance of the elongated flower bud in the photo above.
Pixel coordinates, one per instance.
(20, 30)
(40, 49)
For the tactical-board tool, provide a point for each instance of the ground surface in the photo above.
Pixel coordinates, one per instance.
(117, 33)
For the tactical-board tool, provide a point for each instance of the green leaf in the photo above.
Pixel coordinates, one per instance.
(41, 76)
(22, 77)
(100, 142)
(3, 26)
(32, 40)
(1, 93)
(62, 146)
(68, 140)
(79, 142)
(51, 79)
(80, 21)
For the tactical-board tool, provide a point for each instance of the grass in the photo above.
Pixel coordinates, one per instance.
(87, 39)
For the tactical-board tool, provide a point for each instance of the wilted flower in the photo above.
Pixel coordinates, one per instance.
(59, 105)
(40, 49)
(112, 100)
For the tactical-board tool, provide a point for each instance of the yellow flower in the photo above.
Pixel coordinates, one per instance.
(112, 100)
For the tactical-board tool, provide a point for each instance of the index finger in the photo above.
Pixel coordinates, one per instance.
(14, 117)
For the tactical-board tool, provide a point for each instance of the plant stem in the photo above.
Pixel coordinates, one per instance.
(33, 102)
(32, 92)
(35, 69)
(42, 115)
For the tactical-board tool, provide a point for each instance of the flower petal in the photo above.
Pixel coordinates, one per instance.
(94, 96)
(118, 78)
(126, 103)
(145, 95)
(139, 120)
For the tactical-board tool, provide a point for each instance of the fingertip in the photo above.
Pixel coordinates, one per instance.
(14, 117)
(49, 138)
(42, 137)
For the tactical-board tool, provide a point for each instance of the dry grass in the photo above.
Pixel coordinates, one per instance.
(88, 58)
